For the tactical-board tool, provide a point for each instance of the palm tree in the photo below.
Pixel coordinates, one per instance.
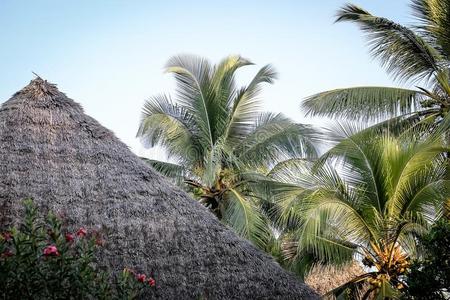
(418, 54)
(216, 136)
(367, 199)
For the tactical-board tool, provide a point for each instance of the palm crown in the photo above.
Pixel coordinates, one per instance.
(419, 54)
(216, 135)
(368, 196)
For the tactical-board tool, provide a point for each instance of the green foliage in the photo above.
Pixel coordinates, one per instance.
(364, 102)
(429, 277)
(218, 138)
(420, 54)
(369, 196)
(404, 53)
(372, 195)
(39, 259)
(433, 17)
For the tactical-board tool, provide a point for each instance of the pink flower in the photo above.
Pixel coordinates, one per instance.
(141, 277)
(51, 251)
(151, 282)
(81, 232)
(7, 253)
(7, 236)
(69, 237)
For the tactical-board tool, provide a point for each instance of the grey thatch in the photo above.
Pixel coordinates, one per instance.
(67, 162)
(323, 279)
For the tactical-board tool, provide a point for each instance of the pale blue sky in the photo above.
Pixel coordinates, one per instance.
(109, 55)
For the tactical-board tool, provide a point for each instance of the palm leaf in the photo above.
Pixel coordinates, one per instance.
(434, 19)
(193, 79)
(276, 138)
(244, 216)
(364, 102)
(169, 125)
(224, 90)
(245, 107)
(411, 170)
(355, 282)
(171, 170)
(404, 54)
(360, 155)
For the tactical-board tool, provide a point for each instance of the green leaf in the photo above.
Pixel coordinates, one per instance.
(170, 170)
(372, 103)
(405, 54)
(434, 21)
(244, 216)
(275, 138)
(245, 106)
(387, 291)
(193, 78)
(171, 126)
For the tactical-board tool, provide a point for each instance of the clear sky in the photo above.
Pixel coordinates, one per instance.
(109, 55)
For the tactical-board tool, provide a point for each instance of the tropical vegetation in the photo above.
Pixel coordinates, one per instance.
(369, 199)
(41, 259)
(429, 277)
(419, 54)
(217, 138)
(371, 192)
(401, 121)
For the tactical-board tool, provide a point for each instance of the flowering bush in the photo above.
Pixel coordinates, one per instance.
(39, 259)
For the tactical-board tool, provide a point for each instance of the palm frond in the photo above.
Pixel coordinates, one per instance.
(421, 194)
(405, 55)
(215, 160)
(245, 106)
(434, 21)
(410, 170)
(326, 240)
(244, 216)
(352, 285)
(171, 170)
(360, 156)
(193, 79)
(364, 103)
(169, 125)
(293, 170)
(275, 138)
(416, 123)
(224, 90)
(334, 220)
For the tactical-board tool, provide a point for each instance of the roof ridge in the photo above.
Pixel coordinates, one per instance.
(38, 88)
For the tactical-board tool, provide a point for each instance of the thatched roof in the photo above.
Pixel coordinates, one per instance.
(67, 162)
(324, 279)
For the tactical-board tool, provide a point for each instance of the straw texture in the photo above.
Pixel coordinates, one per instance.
(67, 162)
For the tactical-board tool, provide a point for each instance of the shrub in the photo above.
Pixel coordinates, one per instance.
(429, 277)
(40, 259)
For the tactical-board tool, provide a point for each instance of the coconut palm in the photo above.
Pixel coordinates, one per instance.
(367, 198)
(418, 55)
(215, 135)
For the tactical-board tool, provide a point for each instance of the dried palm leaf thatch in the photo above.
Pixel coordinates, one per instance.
(67, 162)
(325, 278)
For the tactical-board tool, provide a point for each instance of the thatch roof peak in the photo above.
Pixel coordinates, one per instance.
(38, 88)
(67, 162)
(40, 97)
